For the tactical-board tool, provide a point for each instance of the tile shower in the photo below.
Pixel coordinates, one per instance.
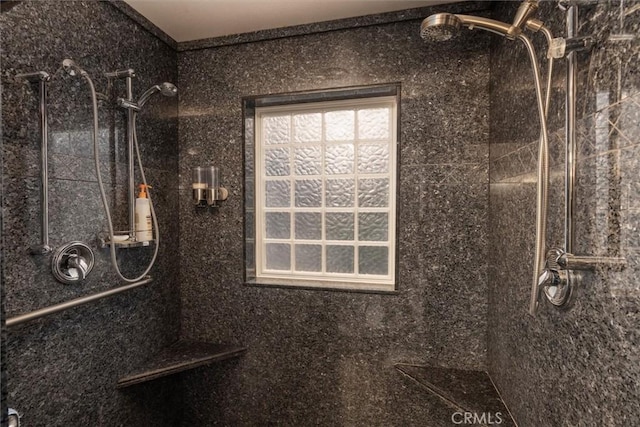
(465, 214)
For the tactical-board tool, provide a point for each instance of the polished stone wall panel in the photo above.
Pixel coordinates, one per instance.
(62, 369)
(584, 359)
(326, 357)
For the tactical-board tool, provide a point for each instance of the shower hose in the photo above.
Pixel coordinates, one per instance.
(105, 203)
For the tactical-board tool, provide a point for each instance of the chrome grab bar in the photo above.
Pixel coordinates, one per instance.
(42, 78)
(73, 303)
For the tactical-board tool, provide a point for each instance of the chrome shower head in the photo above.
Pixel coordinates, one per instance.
(166, 89)
(440, 27)
(71, 68)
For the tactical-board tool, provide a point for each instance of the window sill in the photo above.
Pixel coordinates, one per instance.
(317, 286)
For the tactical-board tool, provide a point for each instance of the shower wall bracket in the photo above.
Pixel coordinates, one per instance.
(42, 78)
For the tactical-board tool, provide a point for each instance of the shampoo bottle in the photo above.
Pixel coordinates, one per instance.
(143, 216)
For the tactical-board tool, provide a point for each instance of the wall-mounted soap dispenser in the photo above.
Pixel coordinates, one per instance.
(206, 186)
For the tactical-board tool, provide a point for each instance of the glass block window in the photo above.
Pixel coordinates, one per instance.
(324, 188)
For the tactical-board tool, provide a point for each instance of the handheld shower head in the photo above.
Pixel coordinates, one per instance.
(71, 68)
(166, 89)
(440, 27)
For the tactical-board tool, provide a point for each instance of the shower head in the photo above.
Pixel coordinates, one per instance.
(166, 89)
(71, 68)
(442, 26)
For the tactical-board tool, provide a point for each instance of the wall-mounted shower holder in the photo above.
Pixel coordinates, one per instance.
(72, 262)
(561, 47)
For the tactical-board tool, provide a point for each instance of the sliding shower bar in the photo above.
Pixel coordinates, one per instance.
(558, 277)
(73, 303)
(42, 78)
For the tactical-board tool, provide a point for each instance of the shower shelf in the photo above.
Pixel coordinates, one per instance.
(179, 357)
(125, 244)
(463, 390)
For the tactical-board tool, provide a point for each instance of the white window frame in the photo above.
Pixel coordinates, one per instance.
(325, 279)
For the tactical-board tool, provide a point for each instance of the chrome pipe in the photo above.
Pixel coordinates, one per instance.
(42, 78)
(73, 303)
(543, 176)
(570, 134)
(130, 154)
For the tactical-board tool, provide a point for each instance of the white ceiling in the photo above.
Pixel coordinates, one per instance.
(186, 20)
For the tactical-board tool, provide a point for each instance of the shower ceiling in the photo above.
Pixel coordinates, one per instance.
(186, 20)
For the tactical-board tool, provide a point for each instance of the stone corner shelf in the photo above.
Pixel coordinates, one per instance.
(464, 390)
(178, 357)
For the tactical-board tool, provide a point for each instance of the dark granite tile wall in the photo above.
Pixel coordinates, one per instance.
(322, 357)
(580, 366)
(62, 369)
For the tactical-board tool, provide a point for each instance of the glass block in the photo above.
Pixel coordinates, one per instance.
(339, 225)
(276, 162)
(278, 256)
(339, 259)
(278, 225)
(373, 192)
(307, 127)
(373, 260)
(249, 225)
(340, 125)
(277, 129)
(308, 258)
(278, 194)
(340, 192)
(373, 226)
(248, 128)
(249, 187)
(308, 225)
(249, 156)
(339, 159)
(373, 123)
(373, 158)
(249, 256)
(308, 160)
(308, 193)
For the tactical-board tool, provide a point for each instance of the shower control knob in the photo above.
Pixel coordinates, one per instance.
(72, 262)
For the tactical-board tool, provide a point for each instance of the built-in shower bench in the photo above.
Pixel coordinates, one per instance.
(178, 357)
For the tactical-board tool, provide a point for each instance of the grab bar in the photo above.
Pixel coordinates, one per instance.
(42, 78)
(72, 303)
